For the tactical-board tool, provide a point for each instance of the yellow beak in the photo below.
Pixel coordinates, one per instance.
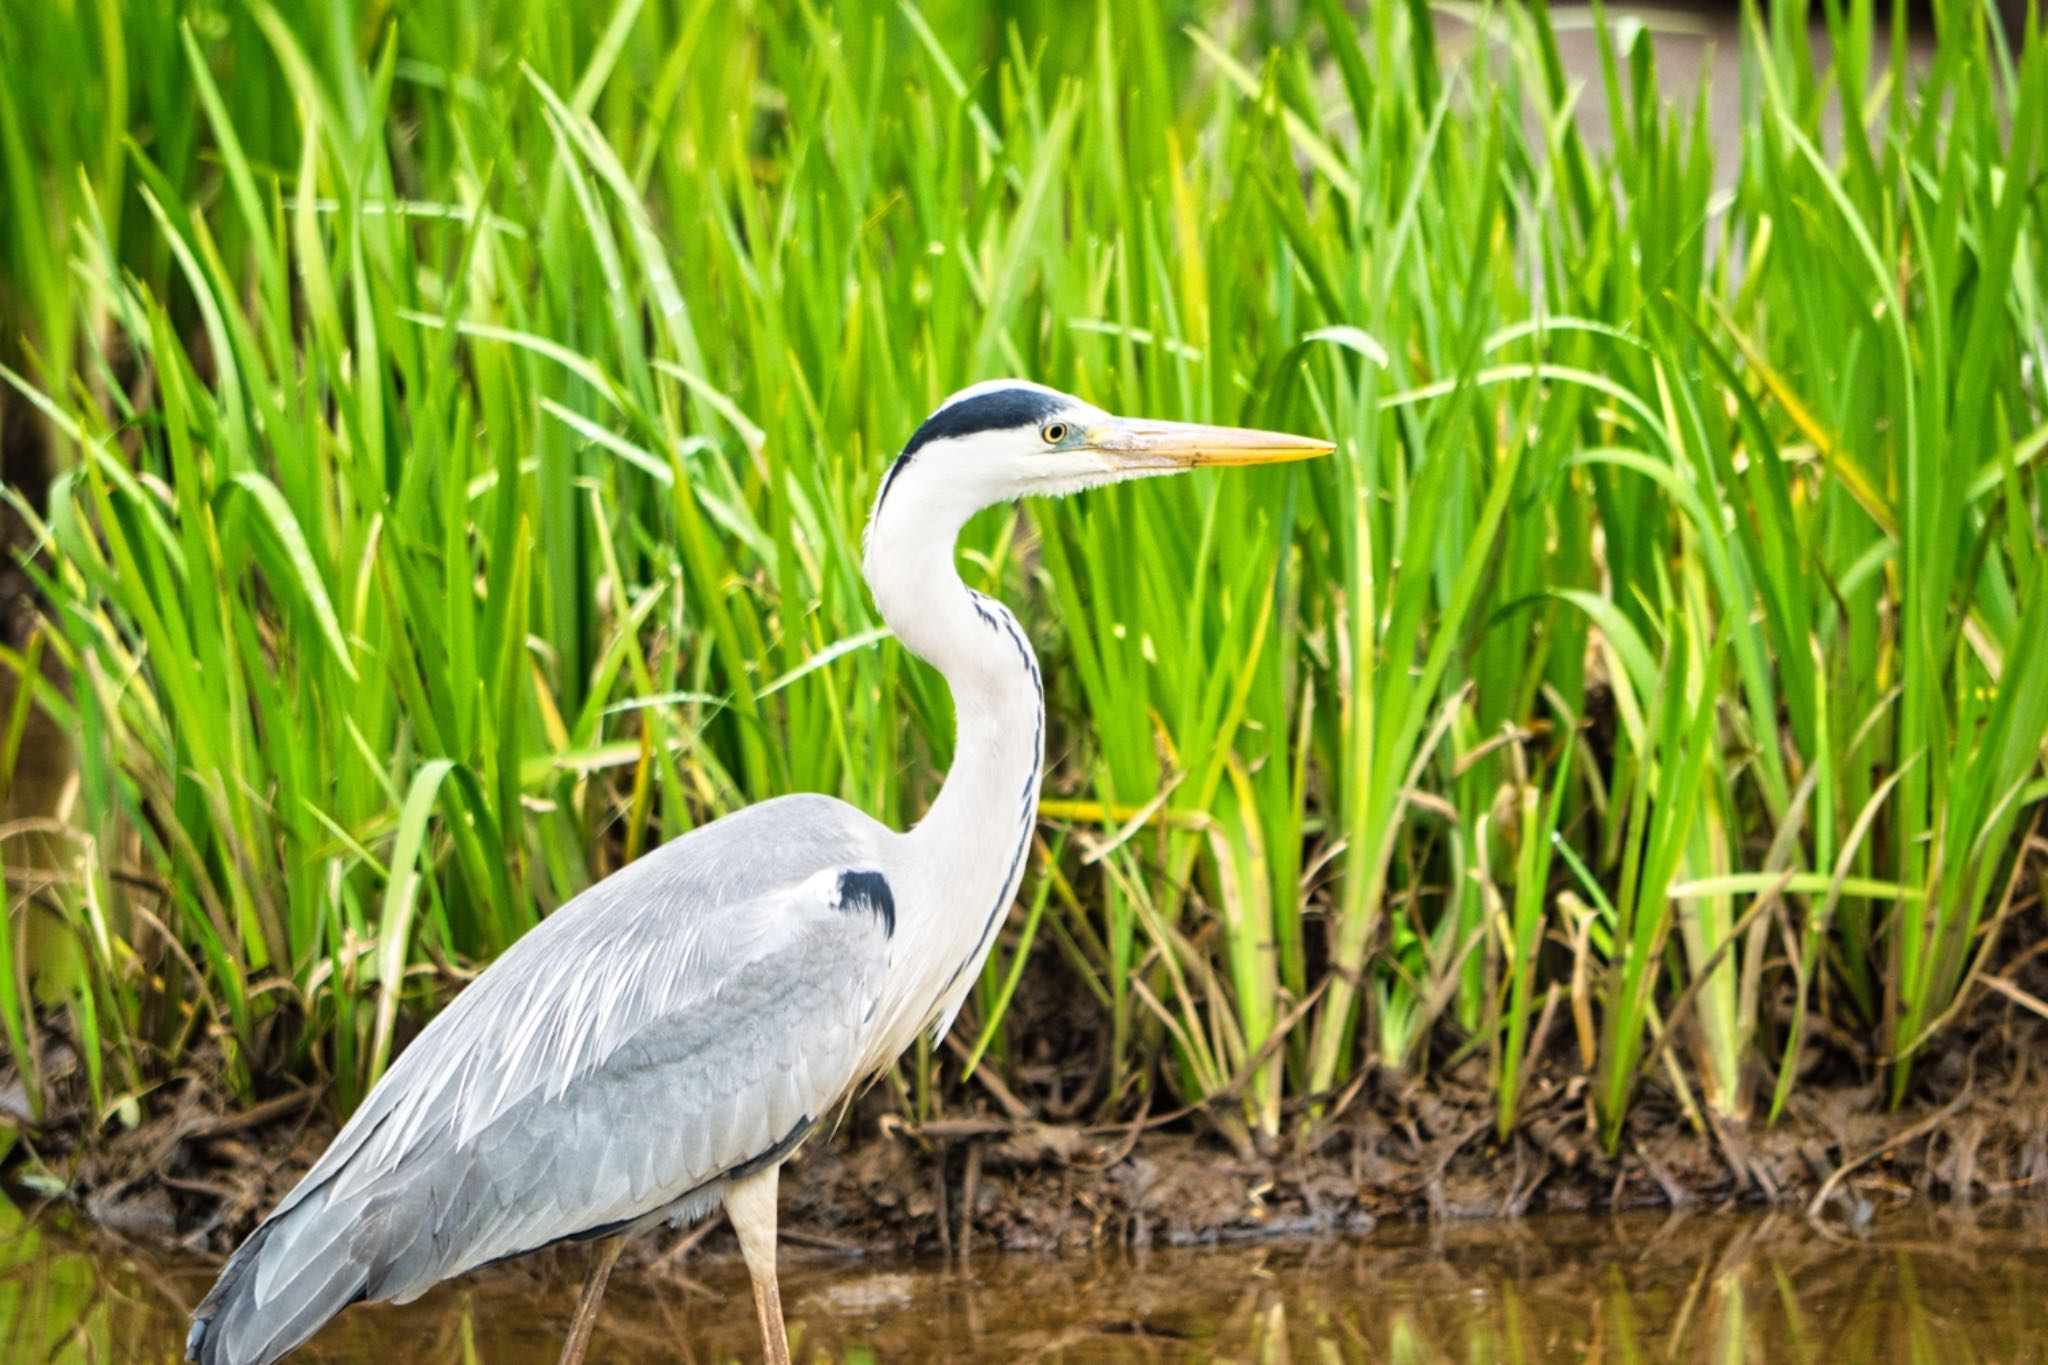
(1139, 444)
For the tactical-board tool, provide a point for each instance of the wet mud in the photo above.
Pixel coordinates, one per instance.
(198, 1174)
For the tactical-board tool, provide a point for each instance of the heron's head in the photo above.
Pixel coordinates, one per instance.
(1008, 439)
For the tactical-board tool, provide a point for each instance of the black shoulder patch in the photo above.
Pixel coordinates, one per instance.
(869, 891)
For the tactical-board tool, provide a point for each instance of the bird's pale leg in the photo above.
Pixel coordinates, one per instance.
(750, 1204)
(601, 1258)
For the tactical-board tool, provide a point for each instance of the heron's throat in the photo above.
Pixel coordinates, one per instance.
(972, 843)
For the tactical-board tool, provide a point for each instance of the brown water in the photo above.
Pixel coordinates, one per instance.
(1920, 1287)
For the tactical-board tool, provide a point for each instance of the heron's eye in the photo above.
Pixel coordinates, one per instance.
(1054, 433)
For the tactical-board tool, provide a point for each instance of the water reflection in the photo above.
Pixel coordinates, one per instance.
(1934, 1287)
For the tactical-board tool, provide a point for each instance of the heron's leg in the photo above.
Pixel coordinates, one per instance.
(602, 1255)
(750, 1204)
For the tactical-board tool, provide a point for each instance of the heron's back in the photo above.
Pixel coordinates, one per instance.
(692, 1015)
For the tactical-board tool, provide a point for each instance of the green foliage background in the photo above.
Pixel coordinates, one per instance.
(465, 417)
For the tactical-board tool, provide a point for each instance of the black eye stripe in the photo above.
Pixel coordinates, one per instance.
(999, 410)
(996, 410)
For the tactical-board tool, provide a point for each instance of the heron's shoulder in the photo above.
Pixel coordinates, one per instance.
(802, 816)
(761, 849)
(786, 838)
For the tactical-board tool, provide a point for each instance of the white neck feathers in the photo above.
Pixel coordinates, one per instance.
(970, 848)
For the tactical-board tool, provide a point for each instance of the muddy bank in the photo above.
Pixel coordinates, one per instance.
(1404, 1150)
(198, 1176)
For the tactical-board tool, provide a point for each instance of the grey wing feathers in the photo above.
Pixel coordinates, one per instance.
(695, 1012)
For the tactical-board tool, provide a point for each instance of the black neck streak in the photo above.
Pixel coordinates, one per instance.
(998, 618)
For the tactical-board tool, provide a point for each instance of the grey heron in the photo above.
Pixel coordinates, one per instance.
(663, 1042)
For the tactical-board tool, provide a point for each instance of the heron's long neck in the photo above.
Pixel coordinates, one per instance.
(972, 843)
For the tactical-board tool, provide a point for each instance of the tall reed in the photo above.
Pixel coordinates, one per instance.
(467, 419)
